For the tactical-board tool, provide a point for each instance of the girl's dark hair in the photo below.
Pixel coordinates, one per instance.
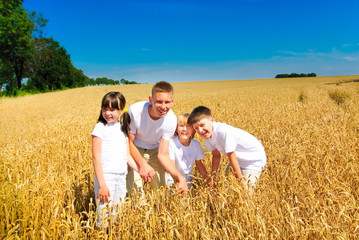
(117, 101)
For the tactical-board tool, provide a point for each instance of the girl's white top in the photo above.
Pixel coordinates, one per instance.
(184, 156)
(114, 149)
(249, 151)
(148, 131)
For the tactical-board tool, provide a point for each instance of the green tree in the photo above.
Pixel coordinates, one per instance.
(104, 81)
(38, 24)
(76, 78)
(15, 42)
(125, 82)
(51, 67)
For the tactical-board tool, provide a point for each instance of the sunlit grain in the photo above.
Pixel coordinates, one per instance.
(308, 190)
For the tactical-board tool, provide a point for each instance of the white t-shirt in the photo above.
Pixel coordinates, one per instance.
(249, 151)
(148, 131)
(184, 156)
(114, 149)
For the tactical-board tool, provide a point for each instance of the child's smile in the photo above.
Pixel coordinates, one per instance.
(184, 132)
(110, 114)
(204, 127)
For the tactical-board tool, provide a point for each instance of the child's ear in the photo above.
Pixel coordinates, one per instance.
(150, 99)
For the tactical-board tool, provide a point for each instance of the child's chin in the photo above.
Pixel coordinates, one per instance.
(207, 136)
(184, 137)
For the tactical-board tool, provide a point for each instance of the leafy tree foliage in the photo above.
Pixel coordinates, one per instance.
(125, 82)
(26, 54)
(295, 75)
(50, 68)
(77, 77)
(102, 81)
(39, 24)
(15, 42)
(107, 81)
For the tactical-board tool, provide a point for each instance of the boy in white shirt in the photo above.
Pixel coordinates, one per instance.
(153, 123)
(245, 153)
(185, 151)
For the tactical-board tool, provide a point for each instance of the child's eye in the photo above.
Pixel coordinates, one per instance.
(109, 109)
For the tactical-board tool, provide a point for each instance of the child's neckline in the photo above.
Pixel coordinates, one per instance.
(189, 143)
(113, 123)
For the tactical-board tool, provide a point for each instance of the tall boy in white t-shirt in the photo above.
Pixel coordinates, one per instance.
(153, 123)
(245, 153)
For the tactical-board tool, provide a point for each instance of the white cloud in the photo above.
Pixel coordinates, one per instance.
(333, 63)
(335, 53)
(310, 53)
(268, 68)
(349, 58)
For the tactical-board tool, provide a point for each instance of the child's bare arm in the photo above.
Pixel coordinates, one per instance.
(169, 167)
(103, 192)
(216, 159)
(130, 160)
(234, 164)
(133, 164)
(201, 169)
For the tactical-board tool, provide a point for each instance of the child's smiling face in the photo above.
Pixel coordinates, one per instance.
(110, 114)
(204, 127)
(184, 131)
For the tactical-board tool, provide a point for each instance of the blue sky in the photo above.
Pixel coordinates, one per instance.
(202, 40)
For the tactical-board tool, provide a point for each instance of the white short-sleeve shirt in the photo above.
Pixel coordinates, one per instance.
(148, 131)
(248, 149)
(185, 156)
(114, 148)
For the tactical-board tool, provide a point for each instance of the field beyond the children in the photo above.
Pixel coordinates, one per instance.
(309, 188)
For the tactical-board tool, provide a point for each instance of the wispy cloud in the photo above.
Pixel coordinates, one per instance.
(332, 63)
(340, 53)
(309, 53)
(349, 58)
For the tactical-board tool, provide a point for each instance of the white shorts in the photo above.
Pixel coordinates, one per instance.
(116, 184)
(251, 176)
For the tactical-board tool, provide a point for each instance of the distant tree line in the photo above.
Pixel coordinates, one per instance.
(107, 81)
(31, 62)
(295, 75)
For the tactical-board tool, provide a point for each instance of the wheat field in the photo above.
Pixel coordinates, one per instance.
(308, 190)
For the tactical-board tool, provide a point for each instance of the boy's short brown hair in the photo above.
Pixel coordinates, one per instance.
(198, 113)
(162, 86)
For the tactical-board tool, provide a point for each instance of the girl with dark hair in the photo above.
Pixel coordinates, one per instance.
(110, 154)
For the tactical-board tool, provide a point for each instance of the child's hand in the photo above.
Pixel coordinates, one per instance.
(209, 181)
(182, 186)
(150, 176)
(103, 194)
(243, 183)
(147, 173)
